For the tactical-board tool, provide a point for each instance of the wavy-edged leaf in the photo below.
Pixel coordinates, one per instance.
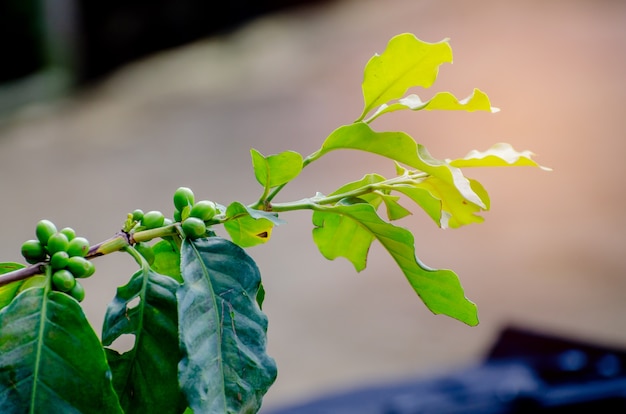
(455, 210)
(9, 291)
(277, 169)
(225, 368)
(51, 360)
(400, 147)
(374, 198)
(341, 227)
(249, 227)
(499, 155)
(406, 62)
(145, 377)
(443, 101)
(167, 259)
(423, 198)
(394, 210)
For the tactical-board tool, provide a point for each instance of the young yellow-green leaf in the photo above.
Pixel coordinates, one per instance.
(499, 155)
(374, 198)
(423, 198)
(477, 101)
(406, 62)
(338, 235)
(248, 227)
(455, 210)
(277, 169)
(9, 291)
(347, 230)
(400, 147)
(394, 210)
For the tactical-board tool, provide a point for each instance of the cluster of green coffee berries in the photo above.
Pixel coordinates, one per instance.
(192, 215)
(65, 254)
(150, 220)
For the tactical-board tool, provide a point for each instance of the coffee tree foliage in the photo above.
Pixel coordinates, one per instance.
(194, 305)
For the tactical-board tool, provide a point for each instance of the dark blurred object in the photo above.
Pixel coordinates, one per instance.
(524, 373)
(49, 46)
(37, 50)
(21, 38)
(117, 31)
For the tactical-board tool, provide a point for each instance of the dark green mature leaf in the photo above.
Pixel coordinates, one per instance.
(225, 368)
(145, 377)
(400, 147)
(8, 292)
(51, 360)
(345, 230)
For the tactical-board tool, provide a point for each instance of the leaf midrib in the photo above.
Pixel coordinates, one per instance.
(218, 332)
(40, 342)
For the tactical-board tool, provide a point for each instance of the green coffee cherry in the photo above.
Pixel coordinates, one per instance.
(194, 227)
(153, 219)
(33, 251)
(59, 260)
(69, 233)
(137, 215)
(79, 246)
(77, 292)
(58, 242)
(80, 267)
(45, 229)
(204, 210)
(146, 251)
(63, 280)
(183, 197)
(177, 216)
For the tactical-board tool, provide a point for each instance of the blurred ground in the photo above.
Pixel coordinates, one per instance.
(550, 254)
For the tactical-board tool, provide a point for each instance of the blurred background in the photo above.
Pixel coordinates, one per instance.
(110, 106)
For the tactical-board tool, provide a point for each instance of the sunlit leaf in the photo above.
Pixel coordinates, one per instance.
(277, 169)
(394, 210)
(248, 227)
(477, 101)
(51, 360)
(338, 235)
(338, 229)
(9, 291)
(423, 198)
(373, 198)
(225, 368)
(406, 62)
(456, 211)
(400, 147)
(145, 377)
(499, 155)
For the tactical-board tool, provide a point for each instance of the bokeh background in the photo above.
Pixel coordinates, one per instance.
(83, 145)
